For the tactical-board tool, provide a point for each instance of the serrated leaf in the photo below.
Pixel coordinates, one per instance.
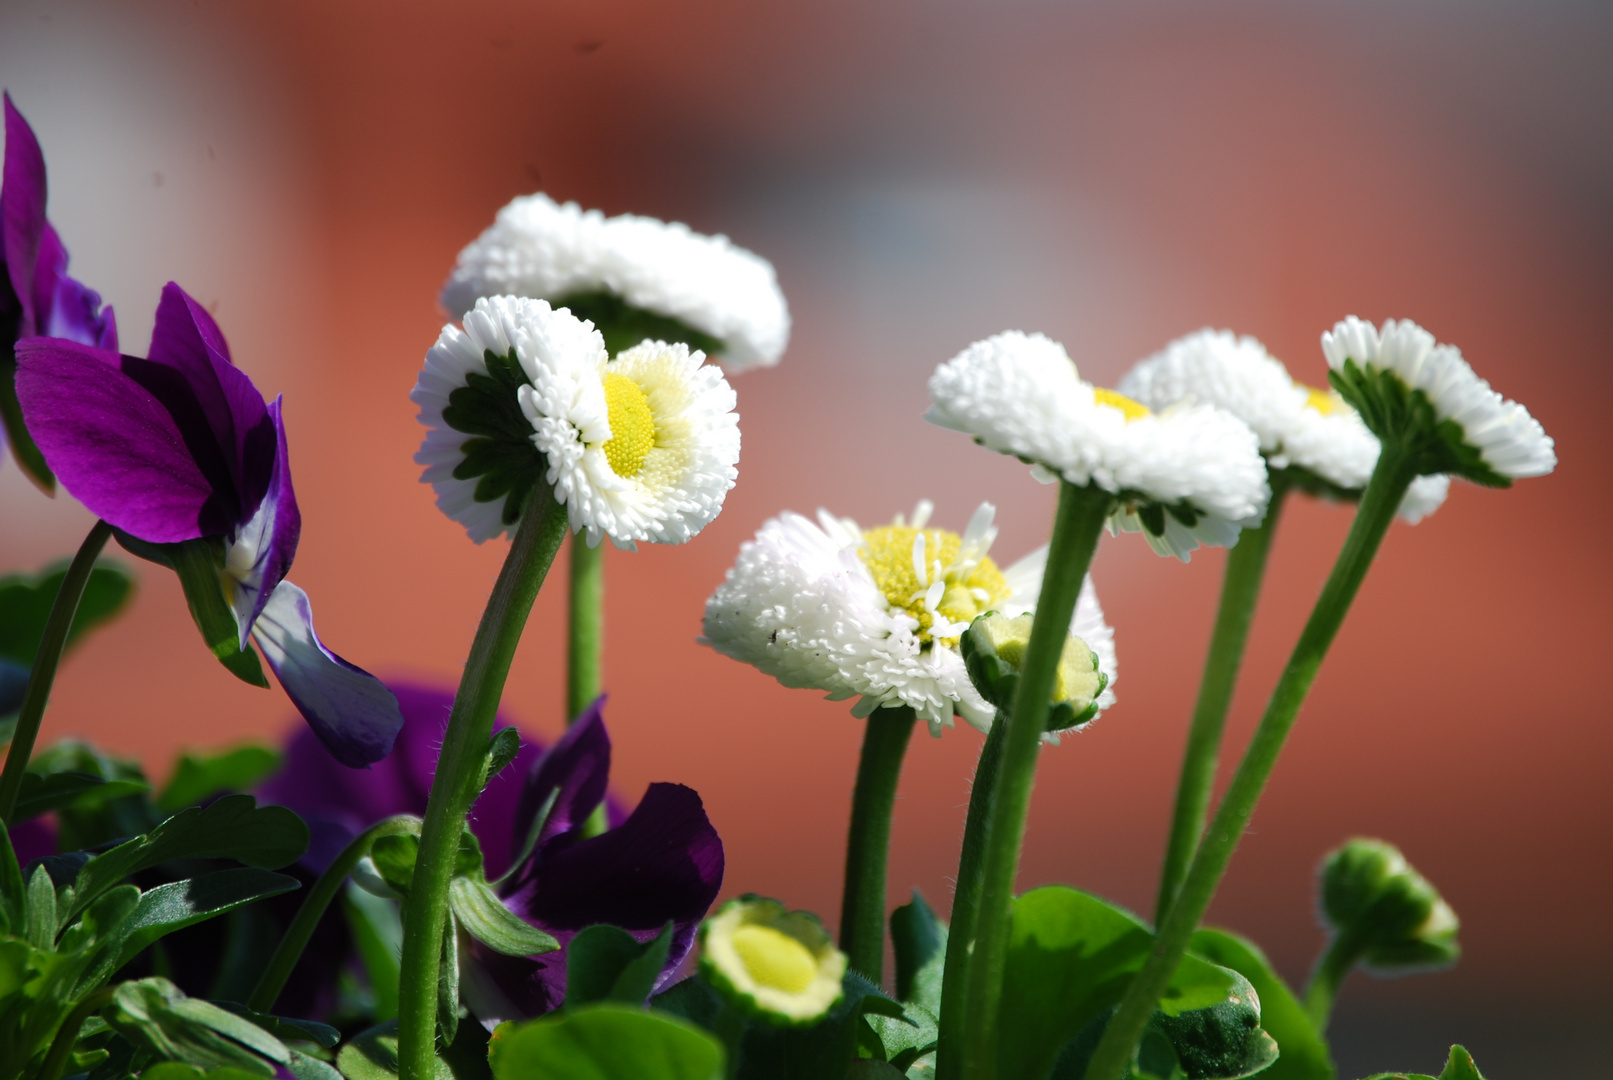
(606, 963)
(199, 776)
(483, 916)
(1304, 1052)
(57, 791)
(604, 1041)
(234, 827)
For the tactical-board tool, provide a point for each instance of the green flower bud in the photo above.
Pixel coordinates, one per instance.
(994, 650)
(776, 965)
(1392, 915)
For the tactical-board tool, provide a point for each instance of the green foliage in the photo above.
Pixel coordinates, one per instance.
(604, 1041)
(483, 916)
(622, 325)
(43, 794)
(26, 599)
(378, 937)
(920, 942)
(373, 1055)
(167, 908)
(1305, 1053)
(1459, 1066)
(199, 776)
(155, 1016)
(499, 450)
(606, 963)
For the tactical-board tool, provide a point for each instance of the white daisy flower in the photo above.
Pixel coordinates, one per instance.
(877, 614)
(1190, 474)
(1314, 434)
(1410, 388)
(642, 447)
(635, 277)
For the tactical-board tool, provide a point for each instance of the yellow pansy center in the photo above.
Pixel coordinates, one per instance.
(632, 425)
(1320, 400)
(774, 959)
(1134, 410)
(896, 559)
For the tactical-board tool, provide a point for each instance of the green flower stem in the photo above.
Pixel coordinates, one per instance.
(1334, 965)
(1076, 525)
(965, 906)
(459, 769)
(1390, 479)
(61, 1047)
(585, 645)
(1240, 591)
(862, 905)
(57, 626)
(314, 905)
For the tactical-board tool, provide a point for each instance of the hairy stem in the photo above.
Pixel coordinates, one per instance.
(1240, 590)
(1332, 968)
(459, 769)
(862, 905)
(57, 626)
(1390, 478)
(585, 643)
(1076, 525)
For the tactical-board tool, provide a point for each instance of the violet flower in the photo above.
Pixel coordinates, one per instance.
(37, 298)
(180, 447)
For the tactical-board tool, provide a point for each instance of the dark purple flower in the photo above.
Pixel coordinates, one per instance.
(37, 298)
(180, 447)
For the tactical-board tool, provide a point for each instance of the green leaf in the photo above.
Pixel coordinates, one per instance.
(904, 1040)
(304, 1067)
(41, 919)
(373, 1055)
(199, 565)
(156, 1016)
(822, 1050)
(448, 984)
(606, 963)
(178, 1070)
(13, 893)
(604, 1041)
(1305, 1053)
(167, 908)
(26, 599)
(1223, 1042)
(234, 827)
(483, 916)
(378, 937)
(920, 941)
(1070, 957)
(199, 776)
(1458, 1067)
(57, 791)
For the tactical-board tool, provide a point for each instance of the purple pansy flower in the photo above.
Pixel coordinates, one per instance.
(180, 447)
(37, 298)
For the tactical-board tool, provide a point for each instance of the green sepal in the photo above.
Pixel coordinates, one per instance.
(1459, 1066)
(448, 983)
(1305, 1054)
(26, 600)
(483, 916)
(623, 326)
(499, 454)
(605, 1041)
(42, 794)
(198, 776)
(1397, 413)
(502, 749)
(998, 680)
(199, 565)
(606, 963)
(23, 448)
(157, 1017)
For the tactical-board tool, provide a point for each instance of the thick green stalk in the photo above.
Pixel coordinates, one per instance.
(61, 1047)
(1332, 968)
(459, 769)
(1390, 478)
(1240, 590)
(862, 905)
(1076, 525)
(965, 906)
(57, 626)
(314, 905)
(585, 643)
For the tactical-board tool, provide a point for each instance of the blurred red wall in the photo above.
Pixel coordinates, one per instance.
(922, 178)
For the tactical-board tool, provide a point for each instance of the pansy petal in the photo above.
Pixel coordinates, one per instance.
(22, 210)
(261, 551)
(578, 768)
(65, 308)
(112, 444)
(32, 839)
(354, 715)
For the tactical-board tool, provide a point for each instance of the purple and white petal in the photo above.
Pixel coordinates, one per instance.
(111, 443)
(65, 308)
(351, 712)
(260, 553)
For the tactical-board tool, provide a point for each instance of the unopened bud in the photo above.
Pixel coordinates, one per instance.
(777, 965)
(1395, 917)
(994, 652)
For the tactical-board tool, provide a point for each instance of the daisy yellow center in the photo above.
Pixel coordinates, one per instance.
(775, 959)
(632, 425)
(1134, 410)
(1320, 400)
(890, 553)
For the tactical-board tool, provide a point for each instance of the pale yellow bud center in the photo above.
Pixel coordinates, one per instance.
(632, 425)
(774, 959)
(1134, 410)
(969, 589)
(1320, 400)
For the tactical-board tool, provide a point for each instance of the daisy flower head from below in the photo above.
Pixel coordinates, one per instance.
(642, 447)
(1188, 475)
(635, 277)
(1312, 438)
(1425, 397)
(877, 614)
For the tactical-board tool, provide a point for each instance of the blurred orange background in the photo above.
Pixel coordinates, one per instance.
(922, 176)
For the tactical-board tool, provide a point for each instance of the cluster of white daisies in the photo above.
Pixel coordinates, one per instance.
(643, 446)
